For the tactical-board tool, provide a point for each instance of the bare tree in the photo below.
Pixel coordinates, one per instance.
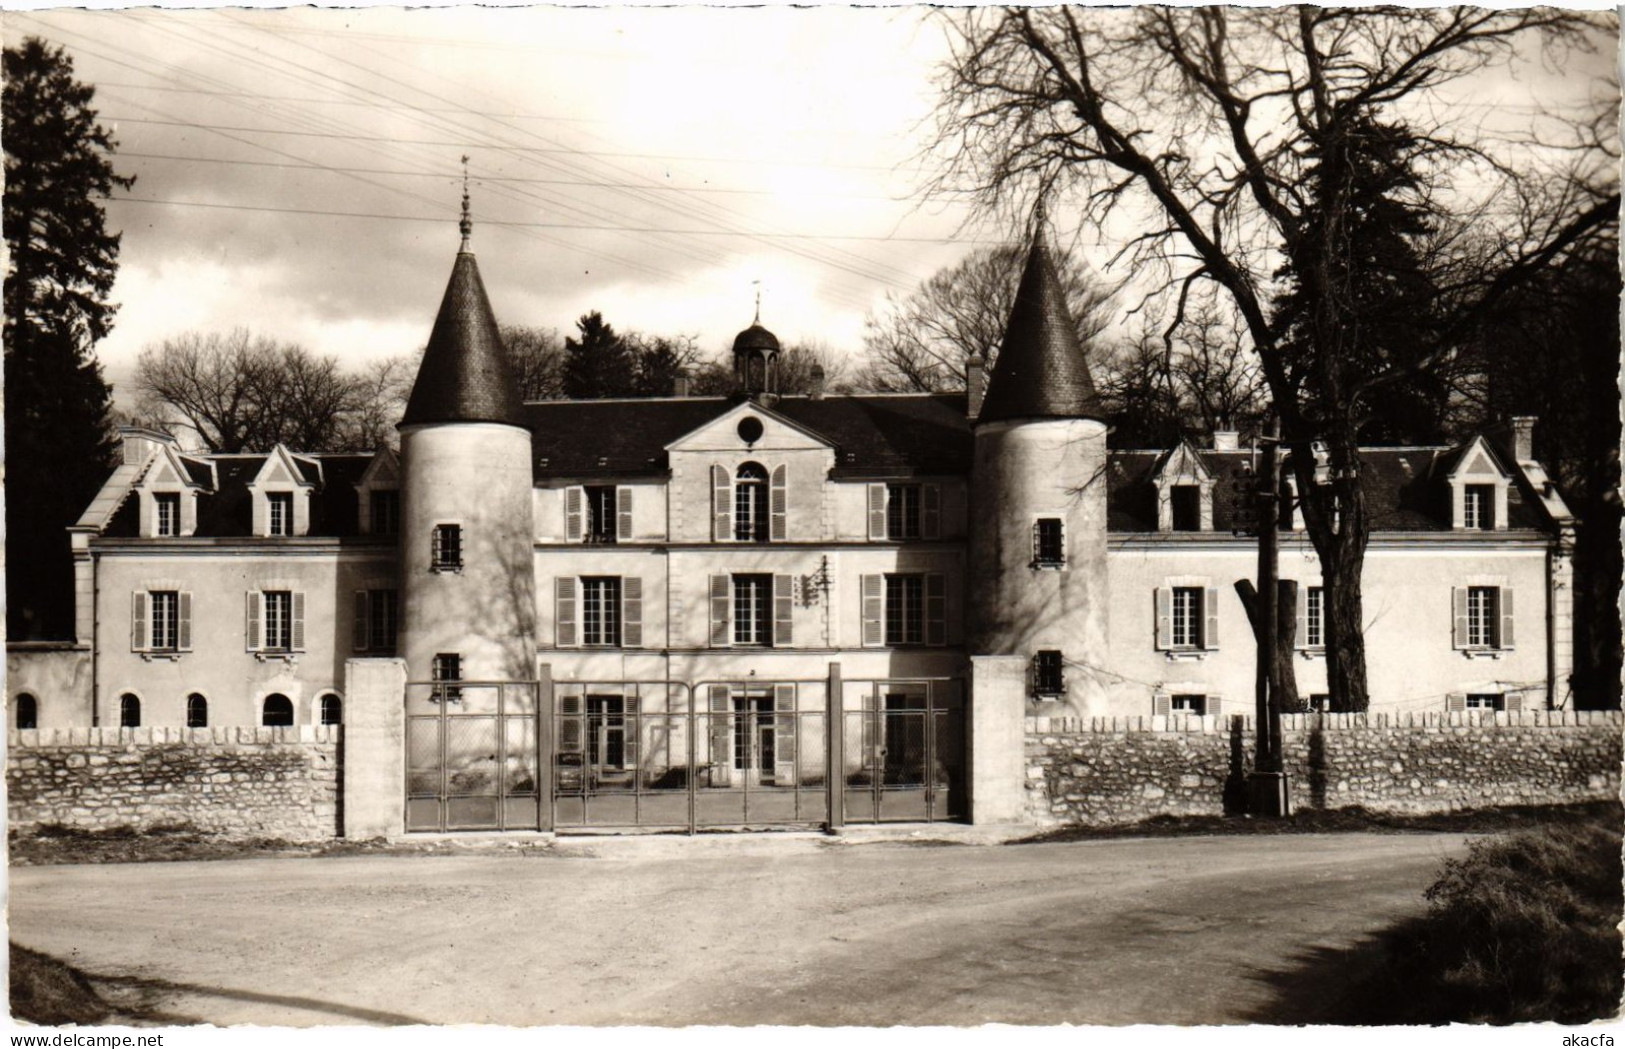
(243, 392)
(381, 391)
(921, 341)
(537, 356)
(1218, 137)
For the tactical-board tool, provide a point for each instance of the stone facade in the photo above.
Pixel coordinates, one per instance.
(1103, 771)
(230, 782)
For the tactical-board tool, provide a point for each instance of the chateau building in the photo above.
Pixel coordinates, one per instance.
(665, 601)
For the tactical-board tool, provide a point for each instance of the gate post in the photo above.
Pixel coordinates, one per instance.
(374, 735)
(546, 760)
(835, 749)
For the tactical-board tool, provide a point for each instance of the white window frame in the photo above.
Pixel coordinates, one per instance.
(166, 525)
(259, 621)
(1189, 600)
(600, 617)
(905, 609)
(1314, 618)
(1483, 617)
(146, 636)
(1478, 506)
(279, 514)
(755, 631)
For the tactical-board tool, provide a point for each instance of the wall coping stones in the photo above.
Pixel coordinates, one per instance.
(1422, 719)
(162, 735)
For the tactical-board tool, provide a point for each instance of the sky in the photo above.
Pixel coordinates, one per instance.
(299, 171)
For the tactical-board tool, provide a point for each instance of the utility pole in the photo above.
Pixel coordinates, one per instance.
(1268, 781)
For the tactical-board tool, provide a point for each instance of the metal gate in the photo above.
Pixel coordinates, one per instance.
(472, 750)
(668, 755)
(903, 750)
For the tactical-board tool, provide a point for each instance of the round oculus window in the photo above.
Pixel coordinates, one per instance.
(750, 429)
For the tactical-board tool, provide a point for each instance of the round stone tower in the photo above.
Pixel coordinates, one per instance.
(1037, 586)
(467, 585)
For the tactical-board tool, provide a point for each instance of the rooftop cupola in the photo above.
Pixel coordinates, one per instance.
(756, 357)
(1041, 372)
(465, 375)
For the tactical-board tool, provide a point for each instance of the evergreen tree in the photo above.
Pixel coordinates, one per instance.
(62, 264)
(598, 363)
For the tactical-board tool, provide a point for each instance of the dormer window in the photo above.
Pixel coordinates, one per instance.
(1478, 506)
(386, 512)
(1185, 505)
(167, 513)
(279, 513)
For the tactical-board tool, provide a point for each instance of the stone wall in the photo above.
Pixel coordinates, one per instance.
(1119, 770)
(231, 782)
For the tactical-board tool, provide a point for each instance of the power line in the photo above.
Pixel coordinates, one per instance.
(548, 225)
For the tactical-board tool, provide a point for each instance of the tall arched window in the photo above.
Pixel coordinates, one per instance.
(750, 503)
(129, 710)
(27, 708)
(197, 711)
(277, 712)
(332, 710)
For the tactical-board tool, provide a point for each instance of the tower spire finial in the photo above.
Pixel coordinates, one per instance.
(467, 223)
(758, 284)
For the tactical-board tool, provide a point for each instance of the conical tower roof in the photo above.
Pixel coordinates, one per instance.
(1041, 372)
(465, 376)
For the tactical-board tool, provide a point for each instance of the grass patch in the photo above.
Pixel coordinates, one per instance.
(1344, 821)
(1524, 929)
(52, 993)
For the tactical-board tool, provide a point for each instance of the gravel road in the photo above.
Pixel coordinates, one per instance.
(789, 930)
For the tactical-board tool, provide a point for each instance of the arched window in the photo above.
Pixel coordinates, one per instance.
(129, 710)
(197, 711)
(277, 712)
(27, 708)
(750, 503)
(332, 710)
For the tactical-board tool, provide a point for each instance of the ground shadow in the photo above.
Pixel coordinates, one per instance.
(1348, 986)
(154, 990)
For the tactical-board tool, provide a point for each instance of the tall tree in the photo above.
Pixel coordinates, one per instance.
(921, 341)
(1194, 130)
(597, 360)
(62, 261)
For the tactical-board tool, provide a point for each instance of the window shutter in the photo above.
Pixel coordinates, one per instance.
(1512, 701)
(1214, 704)
(877, 511)
(631, 612)
(1458, 605)
(783, 611)
(183, 621)
(722, 511)
(784, 732)
(1161, 703)
(1165, 617)
(255, 601)
(718, 699)
(437, 542)
(872, 734)
(630, 733)
(572, 727)
(138, 621)
(623, 513)
(930, 511)
(936, 609)
(296, 626)
(874, 610)
(564, 611)
(1506, 637)
(573, 497)
(1210, 607)
(779, 503)
(361, 634)
(721, 599)
(1455, 701)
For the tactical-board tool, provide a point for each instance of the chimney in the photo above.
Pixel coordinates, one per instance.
(816, 386)
(679, 385)
(975, 384)
(138, 442)
(1226, 440)
(1523, 438)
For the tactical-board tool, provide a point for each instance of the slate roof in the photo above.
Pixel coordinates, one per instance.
(1040, 372)
(1405, 490)
(228, 512)
(465, 375)
(873, 435)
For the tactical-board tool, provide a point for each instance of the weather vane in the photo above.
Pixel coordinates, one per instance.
(467, 223)
(758, 284)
